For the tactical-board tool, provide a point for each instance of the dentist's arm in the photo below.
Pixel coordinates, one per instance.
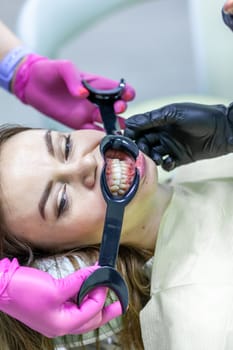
(54, 87)
(47, 305)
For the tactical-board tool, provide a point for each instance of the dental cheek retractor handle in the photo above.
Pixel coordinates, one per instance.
(105, 99)
(107, 275)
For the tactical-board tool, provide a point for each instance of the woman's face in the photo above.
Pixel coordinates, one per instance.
(51, 187)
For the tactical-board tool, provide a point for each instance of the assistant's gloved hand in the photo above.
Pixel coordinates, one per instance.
(46, 304)
(54, 87)
(186, 132)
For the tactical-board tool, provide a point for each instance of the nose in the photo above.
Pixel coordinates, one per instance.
(81, 169)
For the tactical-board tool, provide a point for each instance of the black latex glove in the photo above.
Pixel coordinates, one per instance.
(182, 133)
(228, 19)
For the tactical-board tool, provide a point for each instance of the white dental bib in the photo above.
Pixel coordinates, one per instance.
(191, 305)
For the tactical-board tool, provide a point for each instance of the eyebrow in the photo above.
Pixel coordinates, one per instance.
(48, 188)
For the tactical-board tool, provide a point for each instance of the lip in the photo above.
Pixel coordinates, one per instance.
(141, 164)
(99, 169)
(95, 175)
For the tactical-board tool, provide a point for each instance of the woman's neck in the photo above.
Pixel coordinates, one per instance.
(143, 232)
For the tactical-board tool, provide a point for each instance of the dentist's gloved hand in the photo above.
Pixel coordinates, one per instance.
(54, 87)
(46, 304)
(227, 13)
(228, 6)
(181, 133)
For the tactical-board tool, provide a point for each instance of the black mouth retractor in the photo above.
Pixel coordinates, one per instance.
(107, 275)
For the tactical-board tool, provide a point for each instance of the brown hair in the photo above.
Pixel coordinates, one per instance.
(16, 336)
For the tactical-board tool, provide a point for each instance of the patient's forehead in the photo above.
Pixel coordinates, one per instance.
(20, 179)
(21, 155)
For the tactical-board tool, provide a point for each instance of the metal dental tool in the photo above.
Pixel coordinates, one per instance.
(107, 275)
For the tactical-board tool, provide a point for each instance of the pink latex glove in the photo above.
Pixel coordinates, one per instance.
(228, 7)
(54, 87)
(45, 304)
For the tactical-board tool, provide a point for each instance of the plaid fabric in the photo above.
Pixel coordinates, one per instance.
(61, 267)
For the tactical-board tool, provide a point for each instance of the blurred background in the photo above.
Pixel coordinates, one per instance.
(169, 50)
